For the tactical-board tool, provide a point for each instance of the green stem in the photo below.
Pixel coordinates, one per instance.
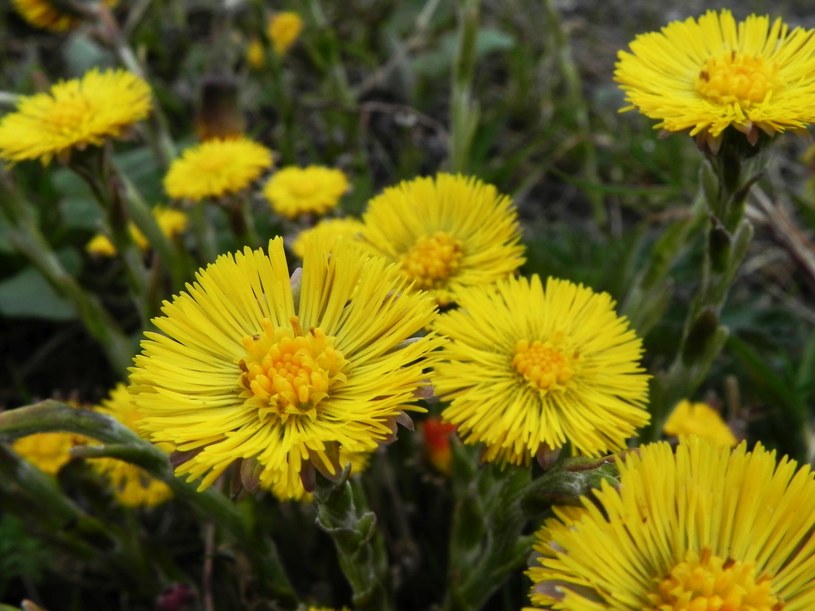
(241, 222)
(25, 235)
(204, 233)
(464, 113)
(342, 512)
(52, 415)
(733, 170)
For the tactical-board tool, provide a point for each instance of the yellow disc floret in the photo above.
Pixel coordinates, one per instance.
(706, 581)
(433, 260)
(543, 364)
(288, 372)
(736, 78)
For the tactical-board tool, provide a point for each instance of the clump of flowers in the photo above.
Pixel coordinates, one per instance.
(446, 233)
(131, 485)
(708, 74)
(73, 115)
(294, 191)
(699, 419)
(529, 369)
(246, 368)
(49, 15)
(172, 223)
(216, 168)
(703, 528)
(328, 232)
(284, 30)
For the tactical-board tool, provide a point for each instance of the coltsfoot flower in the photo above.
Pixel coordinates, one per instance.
(699, 419)
(707, 74)
(284, 30)
(216, 168)
(705, 528)
(171, 222)
(446, 233)
(74, 114)
(293, 191)
(328, 232)
(245, 367)
(528, 369)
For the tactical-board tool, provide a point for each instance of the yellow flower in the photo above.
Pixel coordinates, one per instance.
(294, 191)
(446, 233)
(706, 75)
(49, 452)
(74, 114)
(49, 15)
(216, 168)
(284, 29)
(255, 54)
(699, 419)
(706, 528)
(247, 368)
(171, 222)
(328, 231)
(529, 370)
(132, 486)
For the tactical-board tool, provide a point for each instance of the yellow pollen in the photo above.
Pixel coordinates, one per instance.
(543, 365)
(737, 79)
(708, 583)
(287, 372)
(433, 260)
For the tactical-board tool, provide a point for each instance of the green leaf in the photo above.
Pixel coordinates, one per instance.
(28, 294)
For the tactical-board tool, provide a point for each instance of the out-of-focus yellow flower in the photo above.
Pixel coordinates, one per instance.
(284, 29)
(172, 222)
(216, 168)
(447, 233)
(699, 419)
(293, 191)
(132, 486)
(255, 54)
(74, 114)
(706, 75)
(49, 452)
(328, 232)
(47, 15)
(705, 528)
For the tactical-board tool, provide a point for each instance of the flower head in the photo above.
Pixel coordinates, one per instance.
(436, 436)
(705, 528)
(216, 168)
(74, 114)
(699, 419)
(247, 368)
(284, 29)
(327, 231)
(314, 189)
(529, 369)
(446, 233)
(48, 15)
(132, 486)
(706, 75)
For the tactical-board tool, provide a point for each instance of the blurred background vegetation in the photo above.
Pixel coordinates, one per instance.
(367, 88)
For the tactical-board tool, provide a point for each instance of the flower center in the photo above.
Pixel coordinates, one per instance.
(737, 79)
(708, 582)
(433, 260)
(543, 364)
(287, 372)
